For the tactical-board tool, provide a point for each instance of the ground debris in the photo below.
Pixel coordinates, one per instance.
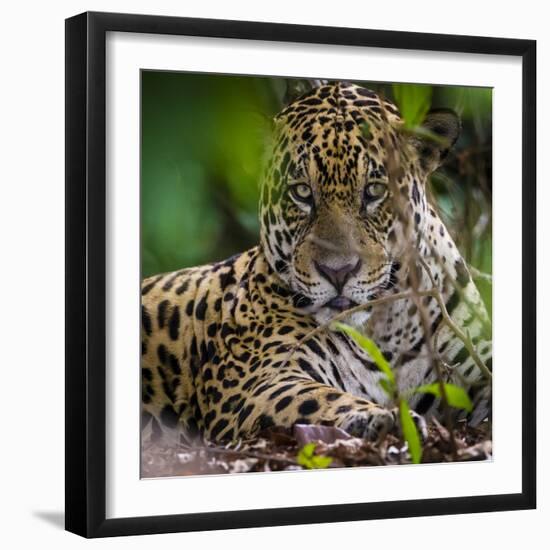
(277, 448)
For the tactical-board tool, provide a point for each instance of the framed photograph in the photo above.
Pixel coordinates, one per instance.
(300, 274)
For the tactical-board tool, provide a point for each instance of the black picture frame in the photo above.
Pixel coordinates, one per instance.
(86, 263)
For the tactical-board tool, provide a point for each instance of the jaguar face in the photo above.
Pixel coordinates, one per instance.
(329, 224)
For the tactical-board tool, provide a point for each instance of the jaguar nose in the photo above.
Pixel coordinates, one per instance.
(338, 276)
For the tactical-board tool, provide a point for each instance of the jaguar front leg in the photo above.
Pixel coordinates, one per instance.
(290, 400)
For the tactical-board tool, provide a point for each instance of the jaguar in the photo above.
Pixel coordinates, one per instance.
(236, 346)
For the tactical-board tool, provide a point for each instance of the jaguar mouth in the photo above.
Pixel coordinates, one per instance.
(340, 303)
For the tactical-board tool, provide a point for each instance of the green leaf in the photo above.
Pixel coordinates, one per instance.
(308, 450)
(386, 386)
(320, 461)
(365, 129)
(370, 347)
(456, 396)
(410, 433)
(308, 460)
(414, 102)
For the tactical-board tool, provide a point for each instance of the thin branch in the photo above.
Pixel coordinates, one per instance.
(462, 336)
(341, 316)
(476, 274)
(472, 307)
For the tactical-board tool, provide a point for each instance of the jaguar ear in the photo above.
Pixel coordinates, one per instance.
(434, 139)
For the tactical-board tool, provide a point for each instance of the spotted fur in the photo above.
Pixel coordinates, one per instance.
(216, 338)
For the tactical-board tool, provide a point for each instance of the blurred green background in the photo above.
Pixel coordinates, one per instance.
(203, 139)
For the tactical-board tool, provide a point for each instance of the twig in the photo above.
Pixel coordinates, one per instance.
(340, 316)
(462, 336)
(472, 307)
(476, 274)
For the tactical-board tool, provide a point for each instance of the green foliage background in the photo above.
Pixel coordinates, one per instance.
(203, 138)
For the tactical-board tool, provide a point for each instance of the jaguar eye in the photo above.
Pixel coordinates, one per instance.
(375, 191)
(301, 192)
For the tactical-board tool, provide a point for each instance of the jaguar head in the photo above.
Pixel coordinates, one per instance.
(330, 227)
